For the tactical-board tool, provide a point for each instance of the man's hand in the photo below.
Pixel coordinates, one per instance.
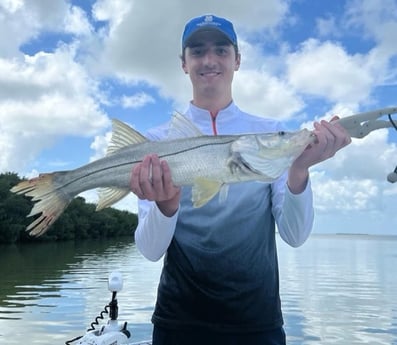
(151, 180)
(331, 137)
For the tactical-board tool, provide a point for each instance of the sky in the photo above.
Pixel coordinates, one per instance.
(68, 67)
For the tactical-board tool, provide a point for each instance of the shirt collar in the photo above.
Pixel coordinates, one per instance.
(202, 117)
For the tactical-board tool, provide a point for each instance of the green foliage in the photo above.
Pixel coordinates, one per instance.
(79, 221)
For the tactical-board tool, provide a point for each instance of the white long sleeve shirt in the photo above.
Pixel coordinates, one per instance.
(220, 270)
(293, 212)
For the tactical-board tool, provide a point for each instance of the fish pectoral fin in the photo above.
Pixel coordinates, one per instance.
(109, 196)
(204, 190)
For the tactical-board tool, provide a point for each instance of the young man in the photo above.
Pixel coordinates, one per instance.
(220, 283)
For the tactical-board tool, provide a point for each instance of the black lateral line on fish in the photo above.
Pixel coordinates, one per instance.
(132, 162)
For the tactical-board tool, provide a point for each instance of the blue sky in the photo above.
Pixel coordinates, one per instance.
(68, 67)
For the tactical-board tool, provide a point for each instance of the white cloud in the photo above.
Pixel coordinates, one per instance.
(327, 27)
(43, 97)
(11, 6)
(350, 190)
(325, 70)
(377, 21)
(344, 195)
(100, 145)
(23, 20)
(354, 161)
(76, 22)
(262, 94)
(136, 101)
(372, 17)
(113, 11)
(144, 45)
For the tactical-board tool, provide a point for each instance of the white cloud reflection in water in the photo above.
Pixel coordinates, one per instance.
(335, 290)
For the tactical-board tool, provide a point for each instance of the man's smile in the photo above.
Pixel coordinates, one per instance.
(210, 74)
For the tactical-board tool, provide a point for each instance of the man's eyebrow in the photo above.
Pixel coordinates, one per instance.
(223, 43)
(219, 43)
(195, 44)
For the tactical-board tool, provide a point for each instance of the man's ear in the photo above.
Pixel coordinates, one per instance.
(184, 67)
(238, 61)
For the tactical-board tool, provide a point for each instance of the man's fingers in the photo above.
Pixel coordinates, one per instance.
(145, 175)
(332, 138)
(342, 137)
(157, 174)
(151, 179)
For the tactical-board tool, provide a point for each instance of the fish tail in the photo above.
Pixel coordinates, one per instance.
(48, 200)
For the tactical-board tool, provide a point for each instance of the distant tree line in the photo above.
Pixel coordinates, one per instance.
(79, 221)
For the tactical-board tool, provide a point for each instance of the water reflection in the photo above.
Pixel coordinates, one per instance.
(52, 292)
(335, 290)
(340, 290)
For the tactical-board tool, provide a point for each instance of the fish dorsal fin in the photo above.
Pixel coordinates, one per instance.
(204, 190)
(122, 136)
(182, 127)
(109, 196)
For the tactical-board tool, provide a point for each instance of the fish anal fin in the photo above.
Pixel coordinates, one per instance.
(204, 190)
(109, 196)
(122, 136)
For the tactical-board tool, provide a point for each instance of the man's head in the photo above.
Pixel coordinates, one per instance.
(210, 56)
(208, 23)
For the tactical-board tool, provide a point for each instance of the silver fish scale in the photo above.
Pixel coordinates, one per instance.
(204, 156)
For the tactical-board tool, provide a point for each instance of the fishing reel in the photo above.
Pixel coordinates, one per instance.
(112, 333)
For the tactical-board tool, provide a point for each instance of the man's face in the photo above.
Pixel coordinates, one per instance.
(210, 60)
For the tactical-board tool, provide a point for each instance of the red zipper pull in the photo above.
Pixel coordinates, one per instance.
(213, 119)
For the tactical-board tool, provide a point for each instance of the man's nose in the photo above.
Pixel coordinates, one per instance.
(209, 58)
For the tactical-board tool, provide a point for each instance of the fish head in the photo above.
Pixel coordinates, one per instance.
(270, 154)
(281, 144)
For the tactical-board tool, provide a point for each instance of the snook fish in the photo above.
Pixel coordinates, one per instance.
(207, 163)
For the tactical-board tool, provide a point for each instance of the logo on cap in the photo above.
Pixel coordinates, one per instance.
(210, 21)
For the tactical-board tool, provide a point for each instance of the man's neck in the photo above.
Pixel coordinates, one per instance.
(212, 104)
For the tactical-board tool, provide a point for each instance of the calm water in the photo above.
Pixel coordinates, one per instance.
(335, 290)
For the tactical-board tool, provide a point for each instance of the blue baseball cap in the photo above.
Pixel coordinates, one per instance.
(208, 22)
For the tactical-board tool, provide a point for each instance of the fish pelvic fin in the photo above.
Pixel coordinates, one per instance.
(48, 201)
(109, 196)
(223, 193)
(204, 190)
(122, 136)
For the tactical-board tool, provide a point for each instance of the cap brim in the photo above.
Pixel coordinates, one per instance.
(194, 36)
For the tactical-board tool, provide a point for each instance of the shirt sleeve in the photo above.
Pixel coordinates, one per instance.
(294, 213)
(155, 231)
